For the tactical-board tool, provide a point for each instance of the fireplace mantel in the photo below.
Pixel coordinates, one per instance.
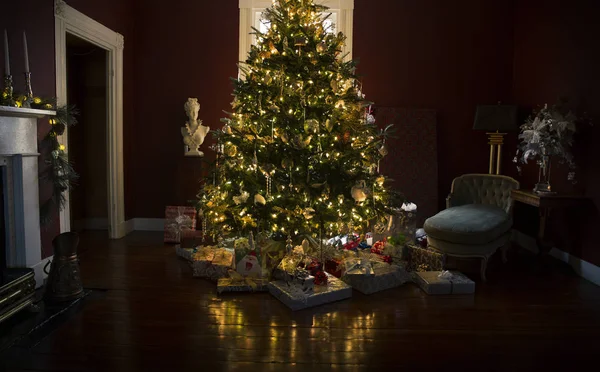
(19, 164)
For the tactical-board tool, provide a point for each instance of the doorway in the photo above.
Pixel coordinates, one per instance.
(87, 91)
(70, 22)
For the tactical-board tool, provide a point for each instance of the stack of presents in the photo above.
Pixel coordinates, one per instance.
(316, 273)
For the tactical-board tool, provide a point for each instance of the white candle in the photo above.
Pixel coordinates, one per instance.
(6, 57)
(26, 52)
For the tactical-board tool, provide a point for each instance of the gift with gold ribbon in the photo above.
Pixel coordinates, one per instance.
(212, 263)
(235, 282)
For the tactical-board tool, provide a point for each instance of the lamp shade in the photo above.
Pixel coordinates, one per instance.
(496, 118)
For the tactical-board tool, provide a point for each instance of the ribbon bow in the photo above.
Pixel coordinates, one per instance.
(358, 266)
(449, 276)
(238, 280)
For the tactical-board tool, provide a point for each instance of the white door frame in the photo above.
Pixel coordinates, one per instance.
(69, 20)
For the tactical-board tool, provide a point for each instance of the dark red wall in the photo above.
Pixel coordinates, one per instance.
(438, 54)
(191, 50)
(119, 16)
(557, 54)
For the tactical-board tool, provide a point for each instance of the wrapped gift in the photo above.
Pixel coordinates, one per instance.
(385, 276)
(178, 219)
(248, 257)
(294, 297)
(303, 278)
(286, 268)
(424, 259)
(238, 283)
(185, 253)
(334, 267)
(212, 263)
(444, 282)
(357, 266)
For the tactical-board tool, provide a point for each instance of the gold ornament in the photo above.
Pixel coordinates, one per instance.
(359, 191)
(285, 137)
(309, 213)
(241, 198)
(311, 125)
(380, 181)
(227, 129)
(299, 142)
(334, 86)
(321, 47)
(383, 150)
(329, 125)
(340, 104)
(230, 150)
(259, 199)
(273, 49)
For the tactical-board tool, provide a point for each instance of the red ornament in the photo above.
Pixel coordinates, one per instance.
(387, 259)
(313, 267)
(378, 247)
(320, 278)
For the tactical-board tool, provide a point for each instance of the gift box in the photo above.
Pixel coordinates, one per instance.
(248, 257)
(294, 297)
(444, 282)
(334, 267)
(287, 267)
(185, 253)
(424, 259)
(238, 283)
(357, 266)
(178, 219)
(385, 276)
(212, 263)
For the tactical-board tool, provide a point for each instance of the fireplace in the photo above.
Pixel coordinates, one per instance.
(21, 264)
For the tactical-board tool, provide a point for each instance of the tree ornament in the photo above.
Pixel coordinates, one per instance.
(285, 43)
(321, 47)
(240, 199)
(383, 150)
(311, 125)
(359, 191)
(273, 49)
(334, 86)
(230, 150)
(328, 125)
(309, 213)
(340, 198)
(299, 142)
(259, 199)
(227, 129)
(285, 138)
(341, 104)
(273, 107)
(380, 181)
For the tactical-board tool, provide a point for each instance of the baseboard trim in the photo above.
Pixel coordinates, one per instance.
(38, 270)
(585, 269)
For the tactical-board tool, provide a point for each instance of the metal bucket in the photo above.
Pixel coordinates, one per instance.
(64, 281)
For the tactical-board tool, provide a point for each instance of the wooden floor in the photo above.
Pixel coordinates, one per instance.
(155, 317)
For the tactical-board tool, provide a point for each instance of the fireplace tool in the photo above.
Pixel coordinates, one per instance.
(64, 281)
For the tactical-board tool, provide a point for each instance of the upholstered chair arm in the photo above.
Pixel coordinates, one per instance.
(449, 202)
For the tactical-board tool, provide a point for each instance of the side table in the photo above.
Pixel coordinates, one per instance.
(546, 204)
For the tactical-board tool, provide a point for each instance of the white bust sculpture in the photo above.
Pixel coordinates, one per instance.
(194, 132)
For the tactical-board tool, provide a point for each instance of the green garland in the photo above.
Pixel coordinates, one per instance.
(60, 172)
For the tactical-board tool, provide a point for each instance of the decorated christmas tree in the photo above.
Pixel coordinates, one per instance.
(299, 155)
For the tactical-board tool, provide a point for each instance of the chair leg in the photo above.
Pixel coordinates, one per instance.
(483, 268)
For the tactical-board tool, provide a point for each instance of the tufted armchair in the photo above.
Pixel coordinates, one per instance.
(482, 189)
(477, 220)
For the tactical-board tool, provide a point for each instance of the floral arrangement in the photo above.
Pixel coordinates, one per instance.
(548, 133)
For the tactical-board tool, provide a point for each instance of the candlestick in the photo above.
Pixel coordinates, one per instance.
(8, 91)
(6, 56)
(28, 91)
(26, 52)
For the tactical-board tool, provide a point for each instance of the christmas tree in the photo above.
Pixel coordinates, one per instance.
(299, 154)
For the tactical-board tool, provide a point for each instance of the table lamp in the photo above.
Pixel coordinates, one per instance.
(496, 120)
